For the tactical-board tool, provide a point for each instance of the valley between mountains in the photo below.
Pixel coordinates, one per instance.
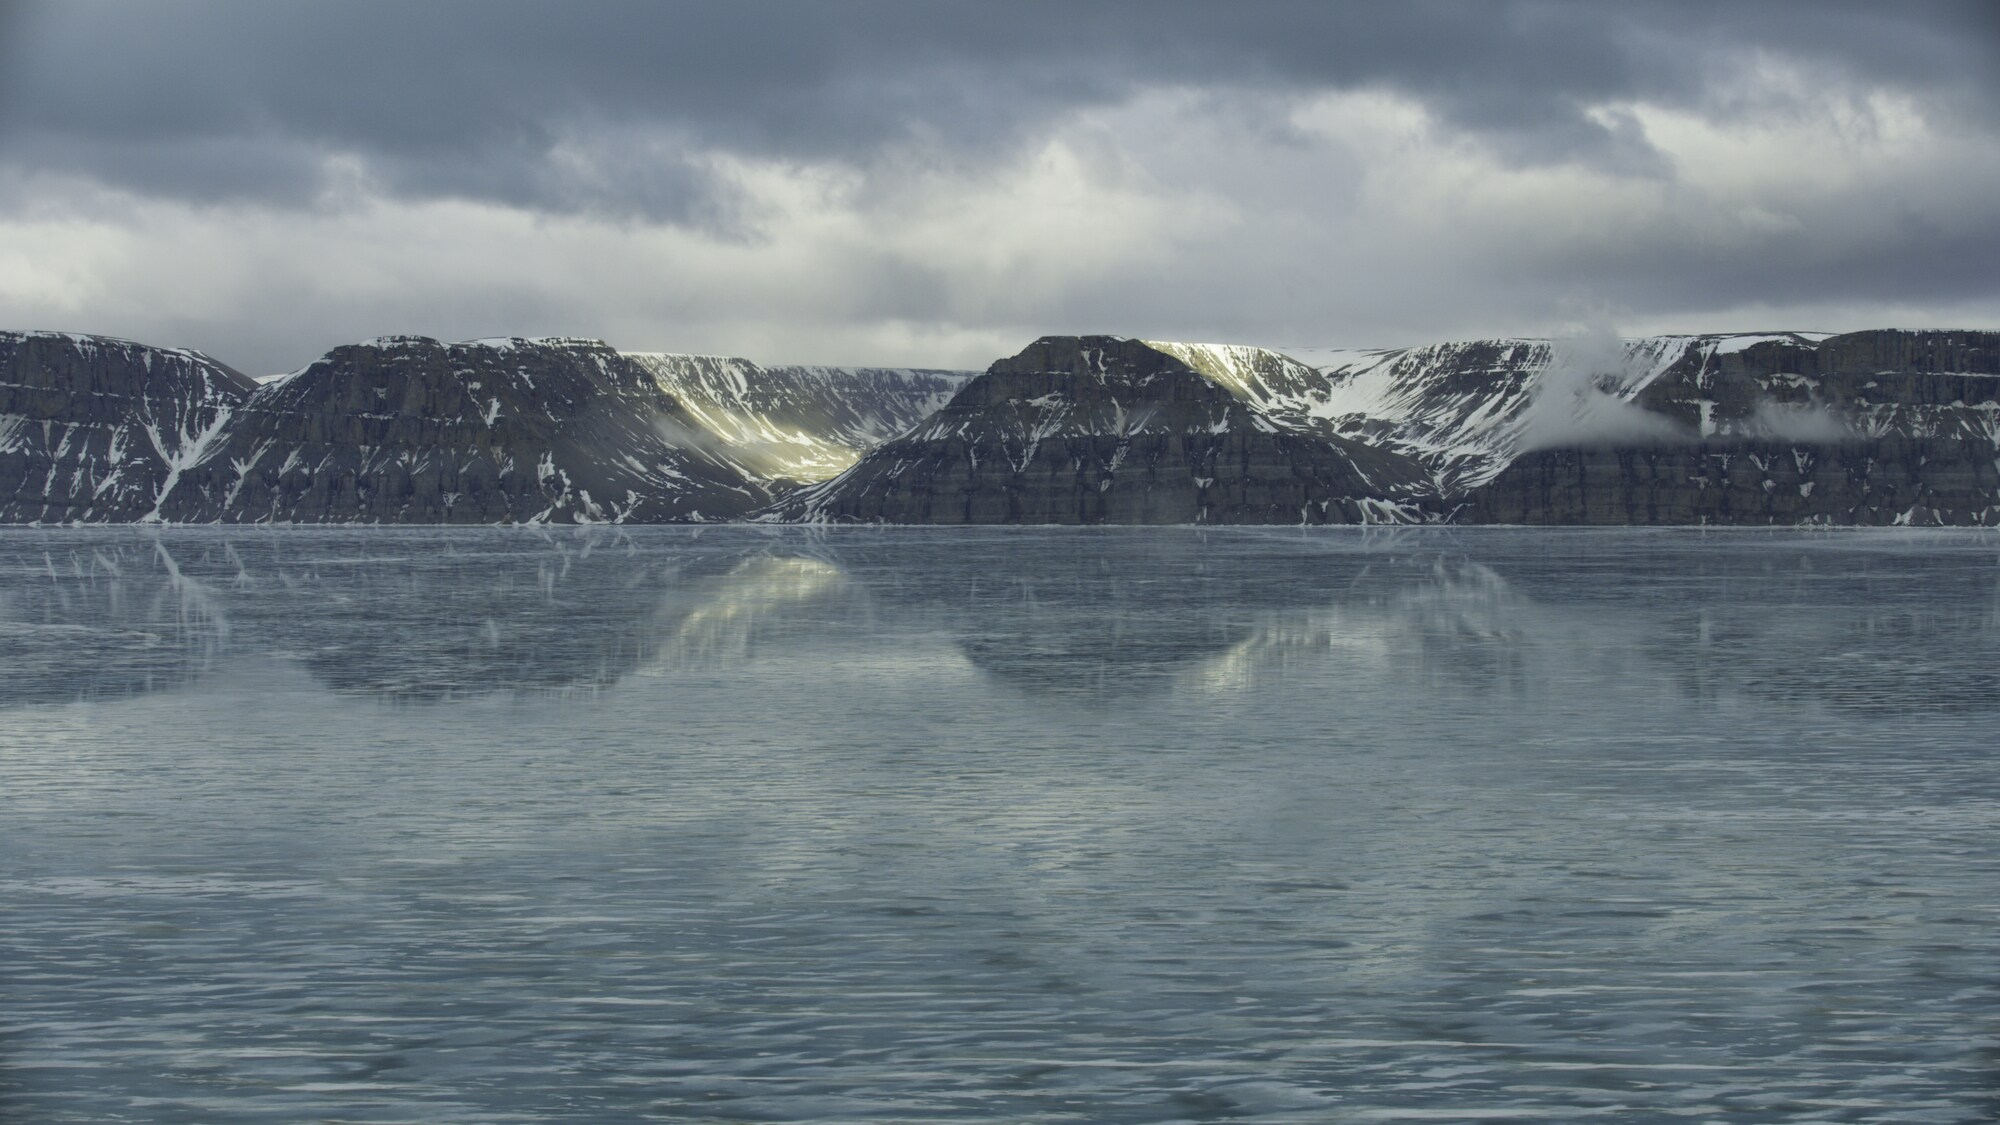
(1886, 427)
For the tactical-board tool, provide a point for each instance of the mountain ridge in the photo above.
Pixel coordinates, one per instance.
(1096, 429)
(1880, 426)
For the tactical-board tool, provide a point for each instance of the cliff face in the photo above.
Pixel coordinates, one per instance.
(1889, 480)
(1100, 429)
(1862, 428)
(1868, 384)
(1461, 408)
(1880, 427)
(95, 429)
(411, 430)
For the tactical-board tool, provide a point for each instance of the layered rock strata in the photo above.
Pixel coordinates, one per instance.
(413, 430)
(408, 429)
(1878, 427)
(1102, 429)
(96, 429)
(1866, 428)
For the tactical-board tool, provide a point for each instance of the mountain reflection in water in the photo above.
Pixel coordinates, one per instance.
(1121, 825)
(429, 615)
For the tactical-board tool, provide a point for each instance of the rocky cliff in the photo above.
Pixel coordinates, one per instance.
(413, 430)
(1888, 480)
(1103, 429)
(1859, 428)
(1466, 408)
(1858, 384)
(96, 429)
(1884, 427)
(407, 429)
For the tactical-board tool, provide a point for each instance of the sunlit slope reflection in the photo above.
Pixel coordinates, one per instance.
(425, 615)
(1060, 826)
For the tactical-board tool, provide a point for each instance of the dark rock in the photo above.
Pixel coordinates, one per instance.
(1862, 428)
(95, 429)
(411, 430)
(1918, 383)
(1101, 429)
(1866, 428)
(1888, 480)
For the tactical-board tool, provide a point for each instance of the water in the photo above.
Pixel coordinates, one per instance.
(1030, 825)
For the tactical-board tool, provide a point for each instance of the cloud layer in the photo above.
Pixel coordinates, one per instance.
(937, 182)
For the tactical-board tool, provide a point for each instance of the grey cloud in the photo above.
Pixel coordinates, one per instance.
(276, 170)
(480, 98)
(275, 116)
(609, 172)
(1869, 265)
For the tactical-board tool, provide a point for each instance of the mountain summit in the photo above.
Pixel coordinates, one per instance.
(1104, 429)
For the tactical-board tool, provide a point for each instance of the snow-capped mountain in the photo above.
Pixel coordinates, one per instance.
(1103, 429)
(412, 430)
(1464, 409)
(1867, 427)
(408, 429)
(1477, 405)
(96, 429)
(1881, 427)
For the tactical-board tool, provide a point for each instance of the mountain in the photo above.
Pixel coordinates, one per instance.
(1881, 427)
(1104, 429)
(96, 429)
(409, 429)
(1878, 427)
(798, 423)
(1467, 408)
(1857, 428)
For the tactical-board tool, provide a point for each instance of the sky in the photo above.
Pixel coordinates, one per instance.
(937, 183)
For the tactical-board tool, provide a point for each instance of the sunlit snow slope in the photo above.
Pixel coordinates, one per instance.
(1460, 408)
(797, 423)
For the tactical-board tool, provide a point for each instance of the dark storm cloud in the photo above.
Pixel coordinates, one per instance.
(596, 106)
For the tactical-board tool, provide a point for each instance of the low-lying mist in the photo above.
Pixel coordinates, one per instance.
(1580, 399)
(1577, 400)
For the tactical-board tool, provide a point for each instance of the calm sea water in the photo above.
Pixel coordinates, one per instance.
(1028, 825)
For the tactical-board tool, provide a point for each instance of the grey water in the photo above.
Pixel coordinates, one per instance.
(736, 824)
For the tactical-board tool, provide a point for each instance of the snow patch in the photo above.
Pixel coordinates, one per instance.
(1744, 341)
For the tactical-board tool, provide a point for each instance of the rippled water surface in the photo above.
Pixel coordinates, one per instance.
(1028, 825)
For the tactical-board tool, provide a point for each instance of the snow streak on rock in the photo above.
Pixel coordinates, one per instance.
(412, 430)
(1885, 427)
(407, 429)
(1867, 427)
(96, 429)
(1103, 429)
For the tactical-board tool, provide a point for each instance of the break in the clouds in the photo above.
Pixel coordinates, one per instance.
(937, 182)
